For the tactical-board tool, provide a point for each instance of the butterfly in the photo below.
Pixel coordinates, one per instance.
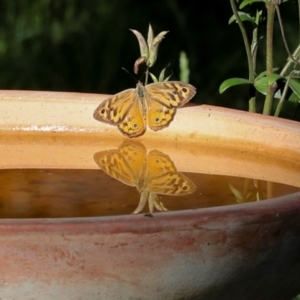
(154, 104)
(151, 174)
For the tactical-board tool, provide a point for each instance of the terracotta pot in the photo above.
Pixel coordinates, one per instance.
(248, 251)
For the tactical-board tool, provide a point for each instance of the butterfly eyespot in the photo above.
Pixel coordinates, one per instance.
(157, 120)
(102, 111)
(157, 161)
(184, 90)
(185, 188)
(135, 125)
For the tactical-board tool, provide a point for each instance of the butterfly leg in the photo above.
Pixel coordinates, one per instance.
(143, 200)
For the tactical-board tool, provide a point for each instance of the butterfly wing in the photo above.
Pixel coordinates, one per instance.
(134, 123)
(163, 178)
(116, 166)
(163, 98)
(135, 154)
(125, 164)
(124, 110)
(114, 109)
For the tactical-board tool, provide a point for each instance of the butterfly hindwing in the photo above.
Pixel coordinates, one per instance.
(134, 123)
(163, 178)
(159, 116)
(135, 154)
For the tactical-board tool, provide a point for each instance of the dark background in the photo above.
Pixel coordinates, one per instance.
(75, 45)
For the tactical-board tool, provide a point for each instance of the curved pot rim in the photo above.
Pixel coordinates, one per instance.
(252, 212)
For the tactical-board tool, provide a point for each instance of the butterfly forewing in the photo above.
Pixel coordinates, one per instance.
(171, 94)
(114, 109)
(113, 163)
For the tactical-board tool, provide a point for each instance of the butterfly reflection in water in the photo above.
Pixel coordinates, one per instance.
(151, 174)
(154, 104)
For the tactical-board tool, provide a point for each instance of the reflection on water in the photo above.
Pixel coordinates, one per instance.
(46, 193)
(51, 193)
(252, 189)
(151, 174)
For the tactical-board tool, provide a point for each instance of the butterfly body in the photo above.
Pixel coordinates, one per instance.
(154, 105)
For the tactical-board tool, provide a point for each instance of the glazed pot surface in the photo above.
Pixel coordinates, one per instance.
(248, 251)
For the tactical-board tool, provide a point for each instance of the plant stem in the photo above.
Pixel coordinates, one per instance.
(252, 104)
(299, 21)
(248, 51)
(292, 58)
(269, 57)
(254, 47)
(280, 103)
(146, 76)
(290, 62)
(245, 38)
(254, 43)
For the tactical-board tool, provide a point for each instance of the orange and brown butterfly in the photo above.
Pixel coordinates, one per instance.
(151, 174)
(154, 105)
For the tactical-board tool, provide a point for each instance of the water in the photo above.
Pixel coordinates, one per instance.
(61, 177)
(50, 193)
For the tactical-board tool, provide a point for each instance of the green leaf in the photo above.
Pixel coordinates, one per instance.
(232, 82)
(153, 48)
(184, 67)
(247, 2)
(243, 16)
(150, 36)
(273, 78)
(295, 86)
(264, 73)
(294, 98)
(261, 85)
(142, 43)
(154, 78)
(162, 75)
(258, 17)
(167, 78)
(237, 194)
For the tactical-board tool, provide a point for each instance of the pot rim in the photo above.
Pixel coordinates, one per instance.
(251, 213)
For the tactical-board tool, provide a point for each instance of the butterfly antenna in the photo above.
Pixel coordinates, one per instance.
(129, 74)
